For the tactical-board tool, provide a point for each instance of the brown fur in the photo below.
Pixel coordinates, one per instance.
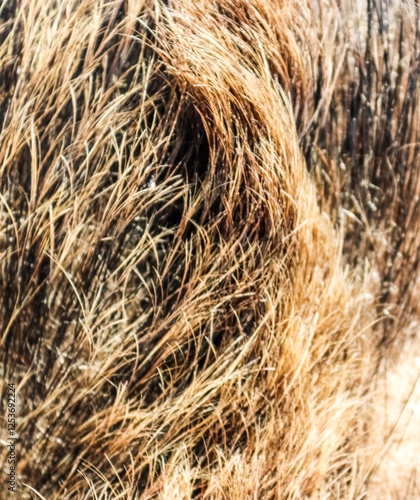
(193, 291)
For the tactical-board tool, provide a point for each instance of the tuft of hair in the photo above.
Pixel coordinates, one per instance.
(209, 241)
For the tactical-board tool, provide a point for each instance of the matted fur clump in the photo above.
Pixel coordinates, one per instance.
(208, 223)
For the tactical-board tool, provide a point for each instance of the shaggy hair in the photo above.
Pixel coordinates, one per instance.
(209, 216)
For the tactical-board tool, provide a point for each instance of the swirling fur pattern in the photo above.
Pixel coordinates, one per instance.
(209, 220)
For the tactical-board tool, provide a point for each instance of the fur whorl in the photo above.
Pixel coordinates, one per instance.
(209, 220)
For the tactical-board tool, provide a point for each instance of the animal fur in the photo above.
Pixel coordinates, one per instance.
(209, 217)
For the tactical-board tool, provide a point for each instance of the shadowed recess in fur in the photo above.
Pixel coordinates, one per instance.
(209, 242)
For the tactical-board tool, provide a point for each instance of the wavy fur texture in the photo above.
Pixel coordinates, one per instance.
(209, 217)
